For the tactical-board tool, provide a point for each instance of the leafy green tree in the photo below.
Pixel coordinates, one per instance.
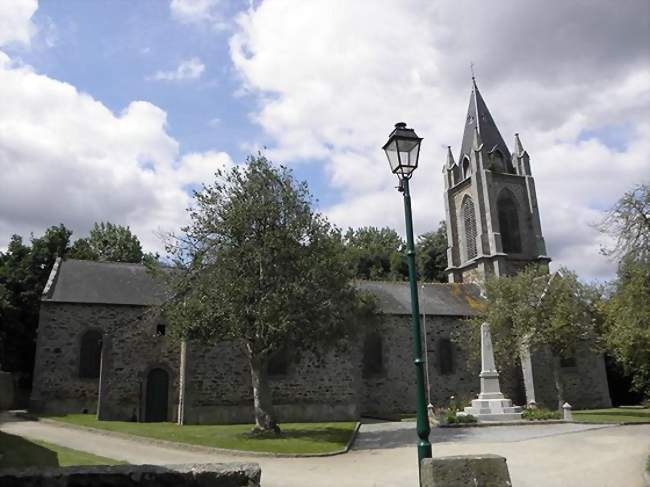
(108, 242)
(376, 253)
(24, 270)
(431, 253)
(627, 322)
(627, 311)
(258, 267)
(551, 313)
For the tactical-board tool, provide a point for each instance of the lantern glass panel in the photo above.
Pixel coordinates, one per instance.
(393, 155)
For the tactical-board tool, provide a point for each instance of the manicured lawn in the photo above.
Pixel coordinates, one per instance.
(295, 437)
(623, 414)
(20, 452)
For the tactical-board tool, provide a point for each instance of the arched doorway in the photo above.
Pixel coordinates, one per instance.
(157, 395)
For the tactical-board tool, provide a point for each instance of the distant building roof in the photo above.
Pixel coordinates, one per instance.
(91, 282)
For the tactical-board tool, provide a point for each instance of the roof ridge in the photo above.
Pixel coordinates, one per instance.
(104, 262)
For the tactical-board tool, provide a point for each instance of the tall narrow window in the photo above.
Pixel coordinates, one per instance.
(373, 360)
(509, 222)
(467, 168)
(446, 356)
(278, 363)
(90, 354)
(469, 222)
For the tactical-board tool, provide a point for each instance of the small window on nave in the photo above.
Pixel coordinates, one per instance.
(445, 356)
(373, 357)
(278, 364)
(90, 350)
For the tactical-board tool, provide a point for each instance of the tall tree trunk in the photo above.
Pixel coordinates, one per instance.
(559, 381)
(262, 401)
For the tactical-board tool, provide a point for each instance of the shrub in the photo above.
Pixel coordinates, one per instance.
(454, 418)
(538, 414)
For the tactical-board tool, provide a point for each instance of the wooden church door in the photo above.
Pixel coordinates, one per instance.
(157, 395)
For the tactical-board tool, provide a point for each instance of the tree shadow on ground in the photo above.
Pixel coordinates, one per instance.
(406, 436)
(17, 452)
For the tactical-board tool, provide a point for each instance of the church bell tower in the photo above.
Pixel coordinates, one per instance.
(493, 224)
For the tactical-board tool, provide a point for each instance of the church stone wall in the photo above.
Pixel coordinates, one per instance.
(57, 386)
(585, 384)
(393, 391)
(130, 352)
(219, 386)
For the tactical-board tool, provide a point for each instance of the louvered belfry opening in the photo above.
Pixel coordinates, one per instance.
(509, 223)
(469, 222)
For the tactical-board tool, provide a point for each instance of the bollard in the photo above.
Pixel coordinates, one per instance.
(568, 415)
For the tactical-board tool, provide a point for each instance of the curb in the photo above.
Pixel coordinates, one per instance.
(505, 423)
(189, 446)
(539, 422)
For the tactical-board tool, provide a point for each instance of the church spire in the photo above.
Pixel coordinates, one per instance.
(480, 120)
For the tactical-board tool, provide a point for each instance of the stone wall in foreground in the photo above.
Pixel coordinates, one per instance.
(214, 475)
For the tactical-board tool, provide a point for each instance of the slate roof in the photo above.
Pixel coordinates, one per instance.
(478, 116)
(439, 299)
(90, 282)
(85, 281)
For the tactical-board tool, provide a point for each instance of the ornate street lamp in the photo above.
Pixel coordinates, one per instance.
(403, 151)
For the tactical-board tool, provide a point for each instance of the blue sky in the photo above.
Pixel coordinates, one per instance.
(113, 109)
(111, 49)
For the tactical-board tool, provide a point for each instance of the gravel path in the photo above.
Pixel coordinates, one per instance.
(384, 455)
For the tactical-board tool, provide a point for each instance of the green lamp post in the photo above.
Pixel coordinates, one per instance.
(403, 151)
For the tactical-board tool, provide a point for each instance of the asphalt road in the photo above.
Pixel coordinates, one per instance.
(560, 455)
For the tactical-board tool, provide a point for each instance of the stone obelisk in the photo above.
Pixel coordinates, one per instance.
(491, 405)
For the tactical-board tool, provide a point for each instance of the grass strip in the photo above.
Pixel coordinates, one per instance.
(19, 452)
(296, 438)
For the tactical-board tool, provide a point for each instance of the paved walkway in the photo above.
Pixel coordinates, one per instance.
(384, 455)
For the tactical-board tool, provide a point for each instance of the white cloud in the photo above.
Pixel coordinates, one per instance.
(65, 157)
(332, 77)
(15, 21)
(189, 69)
(201, 166)
(197, 12)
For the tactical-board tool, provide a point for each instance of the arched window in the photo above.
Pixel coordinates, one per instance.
(509, 222)
(373, 359)
(469, 222)
(467, 168)
(90, 354)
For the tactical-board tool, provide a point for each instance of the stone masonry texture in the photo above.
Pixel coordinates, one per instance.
(218, 385)
(201, 475)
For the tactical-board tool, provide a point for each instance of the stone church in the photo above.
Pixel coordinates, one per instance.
(96, 352)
